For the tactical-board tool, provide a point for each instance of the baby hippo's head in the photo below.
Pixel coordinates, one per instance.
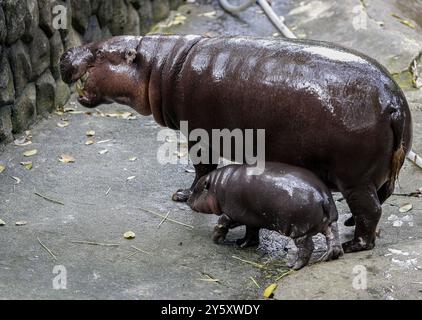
(204, 198)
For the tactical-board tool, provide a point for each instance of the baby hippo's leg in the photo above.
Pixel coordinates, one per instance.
(334, 248)
(250, 239)
(225, 223)
(305, 247)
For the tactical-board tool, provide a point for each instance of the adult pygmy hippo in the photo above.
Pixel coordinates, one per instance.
(331, 110)
(284, 198)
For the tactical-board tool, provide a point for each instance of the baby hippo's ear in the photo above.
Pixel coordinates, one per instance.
(130, 55)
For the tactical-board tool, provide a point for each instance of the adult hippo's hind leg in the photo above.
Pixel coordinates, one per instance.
(366, 209)
(383, 193)
(182, 195)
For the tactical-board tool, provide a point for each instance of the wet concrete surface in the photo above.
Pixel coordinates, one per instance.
(99, 203)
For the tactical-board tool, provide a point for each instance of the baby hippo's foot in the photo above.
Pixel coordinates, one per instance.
(225, 223)
(219, 233)
(305, 247)
(181, 195)
(250, 239)
(334, 248)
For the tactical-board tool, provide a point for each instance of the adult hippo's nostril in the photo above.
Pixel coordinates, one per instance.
(74, 63)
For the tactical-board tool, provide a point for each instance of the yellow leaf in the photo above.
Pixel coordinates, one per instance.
(269, 291)
(63, 124)
(406, 207)
(27, 164)
(20, 223)
(104, 151)
(89, 142)
(30, 153)
(129, 235)
(2, 168)
(90, 133)
(66, 158)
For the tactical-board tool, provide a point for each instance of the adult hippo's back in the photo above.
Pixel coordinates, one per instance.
(323, 107)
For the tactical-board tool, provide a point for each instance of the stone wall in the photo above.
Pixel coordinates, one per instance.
(31, 46)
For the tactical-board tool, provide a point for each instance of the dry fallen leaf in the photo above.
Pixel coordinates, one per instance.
(63, 124)
(269, 291)
(406, 207)
(30, 153)
(2, 223)
(2, 168)
(129, 235)
(89, 142)
(21, 223)
(210, 14)
(130, 178)
(66, 158)
(90, 133)
(17, 180)
(133, 158)
(104, 151)
(21, 142)
(27, 164)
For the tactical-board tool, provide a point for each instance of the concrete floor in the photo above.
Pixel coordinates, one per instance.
(98, 203)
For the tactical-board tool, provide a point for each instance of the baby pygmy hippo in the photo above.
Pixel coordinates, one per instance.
(284, 198)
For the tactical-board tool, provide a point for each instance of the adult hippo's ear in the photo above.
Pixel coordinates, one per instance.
(130, 55)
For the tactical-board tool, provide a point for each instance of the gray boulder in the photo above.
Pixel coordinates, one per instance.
(56, 51)
(46, 93)
(23, 112)
(15, 14)
(31, 21)
(20, 63)
(7, 90)
(5, 124)
(39, 50)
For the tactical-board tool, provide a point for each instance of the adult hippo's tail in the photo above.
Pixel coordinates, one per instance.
(401, 124)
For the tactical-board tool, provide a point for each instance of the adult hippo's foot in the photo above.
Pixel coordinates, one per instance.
(356, 245)
(366, 210)
(181, 195)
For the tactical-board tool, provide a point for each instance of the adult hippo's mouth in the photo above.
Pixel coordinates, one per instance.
(86, 96)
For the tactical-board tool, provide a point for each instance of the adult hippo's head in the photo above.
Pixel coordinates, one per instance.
(105, 72)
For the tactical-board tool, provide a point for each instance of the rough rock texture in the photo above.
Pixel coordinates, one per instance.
(31, 47)
(5, 124)
(24, 109)
(7, 91)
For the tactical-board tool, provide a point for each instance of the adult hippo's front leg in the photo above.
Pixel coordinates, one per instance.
(182, 195)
